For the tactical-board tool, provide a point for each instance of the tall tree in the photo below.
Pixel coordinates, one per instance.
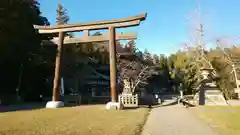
(162, 61)
(147, 56)
(62, 17)
(20, 45)
(155, 59)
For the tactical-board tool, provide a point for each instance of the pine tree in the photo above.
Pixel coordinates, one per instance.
(132, 46)
(147, 56)
(62, 17)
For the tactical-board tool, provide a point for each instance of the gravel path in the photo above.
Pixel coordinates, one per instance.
(175, 120)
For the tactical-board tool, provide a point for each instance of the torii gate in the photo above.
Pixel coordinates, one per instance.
(111, 25)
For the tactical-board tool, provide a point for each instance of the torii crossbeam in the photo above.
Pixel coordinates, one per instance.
(101, 38)
(111, 25)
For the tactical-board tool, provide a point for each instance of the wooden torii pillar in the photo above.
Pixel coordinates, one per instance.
(111, 25)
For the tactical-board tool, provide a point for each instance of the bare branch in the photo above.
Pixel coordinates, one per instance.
(141, 78)
(229, 60)
(135, 70)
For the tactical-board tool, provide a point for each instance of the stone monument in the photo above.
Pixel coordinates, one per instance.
(127, 98)
(208, 92)
(127, 87)
(237, 89)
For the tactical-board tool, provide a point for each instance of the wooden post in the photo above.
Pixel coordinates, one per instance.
(85, 33)
(112, 59)
(57, 75)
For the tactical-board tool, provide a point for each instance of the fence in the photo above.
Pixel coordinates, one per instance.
(128, 100)
(72, 99)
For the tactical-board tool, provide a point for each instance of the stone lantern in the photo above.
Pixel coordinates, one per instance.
(205, 72)
(208, 92)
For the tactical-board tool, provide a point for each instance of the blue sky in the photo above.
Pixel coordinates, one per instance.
(166, 26)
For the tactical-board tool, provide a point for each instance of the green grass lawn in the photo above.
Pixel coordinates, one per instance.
(82, 120)
(224, 119)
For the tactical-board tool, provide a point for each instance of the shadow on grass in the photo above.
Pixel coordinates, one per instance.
(79, 105)
(21, 107)
(35, 106)
(130, 108)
